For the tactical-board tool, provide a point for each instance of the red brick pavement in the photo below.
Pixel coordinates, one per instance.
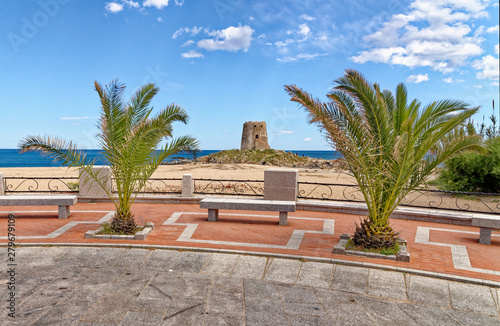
(261, 229)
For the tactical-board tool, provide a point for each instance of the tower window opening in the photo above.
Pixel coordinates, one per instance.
(256, 136)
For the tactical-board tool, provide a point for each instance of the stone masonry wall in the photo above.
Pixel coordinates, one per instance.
(254, 135)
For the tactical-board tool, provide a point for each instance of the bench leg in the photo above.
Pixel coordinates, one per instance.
(485, 236)
(283, 218)
(63, 211)
(213, 215)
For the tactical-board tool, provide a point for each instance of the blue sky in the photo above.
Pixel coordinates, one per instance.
(226, 61)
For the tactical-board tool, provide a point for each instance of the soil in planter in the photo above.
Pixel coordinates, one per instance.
(108, 230)
(383, 251)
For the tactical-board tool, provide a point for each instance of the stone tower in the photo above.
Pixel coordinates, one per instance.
(254, 135)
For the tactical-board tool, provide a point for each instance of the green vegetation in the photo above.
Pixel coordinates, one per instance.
(75, 186)
(129, 137)
(386, 141)
(108, 229)
(255, 156)
(392, 250)
(473, 172)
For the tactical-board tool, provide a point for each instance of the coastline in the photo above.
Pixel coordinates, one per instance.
(237, 171)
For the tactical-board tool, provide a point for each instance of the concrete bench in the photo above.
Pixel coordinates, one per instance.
(485, 223)
(214, 204)
(63, 202)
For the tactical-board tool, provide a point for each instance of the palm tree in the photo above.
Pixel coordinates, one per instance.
(390, 145)
(129, 137)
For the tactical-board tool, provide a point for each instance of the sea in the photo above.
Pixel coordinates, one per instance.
(11, 158)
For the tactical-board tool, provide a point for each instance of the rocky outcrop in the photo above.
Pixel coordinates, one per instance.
(270, 157)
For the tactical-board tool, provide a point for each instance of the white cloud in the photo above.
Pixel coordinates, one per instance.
(308, 139)
(192, 54)
(417, 78)
(492, 29)
(193, 31)
(307, 17)
(304, 30)
(434, 34)
(489, 68)
(282, 44)
(118, 5)
(159, 19)
(251, 18)
(301, 56)
(229, 39)
(132, 4)
(496, 49)
(159, 4)
(300, 35)
(187, 43)
(283, 132)
(114, 7)
(451, 80)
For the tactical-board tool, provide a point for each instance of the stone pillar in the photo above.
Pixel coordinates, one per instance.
(187, 185)
(90, 188)
(281, 184)
(2, 185)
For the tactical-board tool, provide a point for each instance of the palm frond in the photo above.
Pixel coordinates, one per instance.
(385, 138)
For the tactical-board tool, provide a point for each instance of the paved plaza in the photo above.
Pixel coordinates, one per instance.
(244, 269)
(119, 286)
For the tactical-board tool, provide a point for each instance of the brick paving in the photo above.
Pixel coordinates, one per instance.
(450, 250)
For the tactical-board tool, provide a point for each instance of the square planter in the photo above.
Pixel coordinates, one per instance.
(141, 235)
(402, 254)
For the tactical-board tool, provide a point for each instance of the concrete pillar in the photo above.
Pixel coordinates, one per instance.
(2, 185)
(485, 236)
(187, 185)
(90, 188)
(281, 184)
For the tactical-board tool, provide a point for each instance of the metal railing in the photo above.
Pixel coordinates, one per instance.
(474, 202)
(229, 187)
(159, 186)
(41, 184)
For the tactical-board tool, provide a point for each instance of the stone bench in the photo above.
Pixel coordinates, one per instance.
(63, 202)
(214, 204)
(485, 223)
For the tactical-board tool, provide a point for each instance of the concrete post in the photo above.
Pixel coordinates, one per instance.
(281, 184)
(90, 188)
(2, 185)
(187, 185)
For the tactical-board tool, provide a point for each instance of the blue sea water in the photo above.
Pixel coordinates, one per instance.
(11, 158)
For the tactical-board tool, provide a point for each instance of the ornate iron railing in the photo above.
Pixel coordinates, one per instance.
(229, 187)
(41, 184)
(160, 186)
(475, 202)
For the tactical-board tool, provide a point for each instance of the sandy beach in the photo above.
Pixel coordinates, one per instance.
(198, 171)
(342, 190)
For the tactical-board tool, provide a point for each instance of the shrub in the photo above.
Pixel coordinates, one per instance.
(473, 172)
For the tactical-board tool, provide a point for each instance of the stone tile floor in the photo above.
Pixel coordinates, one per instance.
(91, 282)
(120, 286)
